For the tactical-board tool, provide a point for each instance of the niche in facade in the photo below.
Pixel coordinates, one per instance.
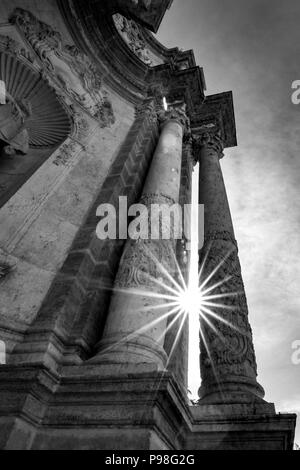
(33, 123)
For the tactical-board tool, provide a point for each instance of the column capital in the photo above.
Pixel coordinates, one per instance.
(211, 140)
(177, 113)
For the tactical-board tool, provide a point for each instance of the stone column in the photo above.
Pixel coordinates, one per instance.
(136, 324)
(227, 359)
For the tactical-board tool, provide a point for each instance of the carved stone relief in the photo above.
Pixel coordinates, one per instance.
(9, 44)
(5, 269)
(141, 263)
(131, 34)
(67, 68)
(69, 149)
(229, 341)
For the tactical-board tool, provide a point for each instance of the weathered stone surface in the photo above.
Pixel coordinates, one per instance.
(125, 407)
(56, 275)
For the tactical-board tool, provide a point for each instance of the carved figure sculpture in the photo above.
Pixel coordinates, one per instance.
(14, 137)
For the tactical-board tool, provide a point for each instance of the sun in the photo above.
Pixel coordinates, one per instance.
(190, 300)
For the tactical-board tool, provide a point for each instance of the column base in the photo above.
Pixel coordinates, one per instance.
(232, 391)
(241, 427)
(136, 350)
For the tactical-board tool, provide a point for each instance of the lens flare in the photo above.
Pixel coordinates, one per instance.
(190, 300)
(179, 300)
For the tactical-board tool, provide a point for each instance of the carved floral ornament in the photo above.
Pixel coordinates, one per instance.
(211, 139)
(133, 37)
(9, 45)
(175, 113)
(71, 72)
(231, 349)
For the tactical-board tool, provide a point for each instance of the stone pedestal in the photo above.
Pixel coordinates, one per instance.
(119, 407)
(240, 427)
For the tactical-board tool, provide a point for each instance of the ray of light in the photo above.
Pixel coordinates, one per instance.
(217, 317)
(178, 333)
(216, 269)
(178, 300)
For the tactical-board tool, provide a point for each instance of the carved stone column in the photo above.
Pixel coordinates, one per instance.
(136, 325)
(227, 360)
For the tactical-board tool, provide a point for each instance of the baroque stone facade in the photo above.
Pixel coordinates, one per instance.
(76, 310)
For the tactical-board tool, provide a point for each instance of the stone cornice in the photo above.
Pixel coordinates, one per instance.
(126, 73)
(178, 79)
(216, 112)
(178, 85)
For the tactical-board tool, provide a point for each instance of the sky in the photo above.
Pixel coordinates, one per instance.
(252, 47)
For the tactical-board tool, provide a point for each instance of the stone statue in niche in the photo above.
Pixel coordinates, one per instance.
(14, 137)
(132, 35)
(70, 69)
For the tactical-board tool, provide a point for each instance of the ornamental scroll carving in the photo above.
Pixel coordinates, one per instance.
(230, 344)
(141, 264)
(210, 139)
(13, 47)
(69, 149)
(175, 113)
(68, 68)
(132, 35)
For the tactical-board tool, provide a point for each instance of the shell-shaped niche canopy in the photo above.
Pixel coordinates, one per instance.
(47, 122)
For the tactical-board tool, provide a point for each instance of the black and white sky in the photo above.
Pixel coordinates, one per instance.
(252, 47)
